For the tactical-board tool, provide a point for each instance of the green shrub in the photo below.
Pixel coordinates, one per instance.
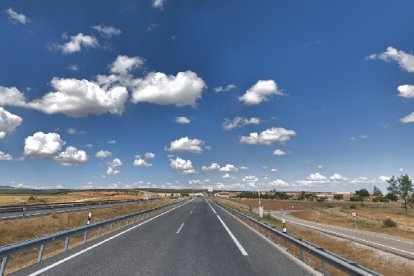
(356, 198)
(389, 223)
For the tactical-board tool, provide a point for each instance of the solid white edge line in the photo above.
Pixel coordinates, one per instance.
(179, 229)
(99, 243)
(244, 253)
(211, 207)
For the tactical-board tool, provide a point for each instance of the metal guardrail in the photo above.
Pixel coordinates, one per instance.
(41, 242)
(54, 207)
(326, 258)
(41, 206)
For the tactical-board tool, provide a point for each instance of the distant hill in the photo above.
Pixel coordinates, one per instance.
(6, 187)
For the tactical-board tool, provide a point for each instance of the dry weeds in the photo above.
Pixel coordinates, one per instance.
(24, 229)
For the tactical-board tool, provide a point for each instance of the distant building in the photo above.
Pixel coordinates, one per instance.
(222, 194)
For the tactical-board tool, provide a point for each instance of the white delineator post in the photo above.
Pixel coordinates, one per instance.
(261, 211)
(284, 226)
(89, 218)
(260, 205)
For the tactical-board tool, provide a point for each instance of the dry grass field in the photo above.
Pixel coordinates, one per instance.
(370, 215)
(385, 263)
(77, 196)
(23, 229)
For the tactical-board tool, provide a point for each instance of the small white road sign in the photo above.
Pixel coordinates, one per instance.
(354, 214)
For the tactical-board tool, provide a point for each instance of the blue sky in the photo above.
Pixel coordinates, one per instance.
(285, 95)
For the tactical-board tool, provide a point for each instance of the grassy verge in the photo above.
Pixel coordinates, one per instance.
(370, 215)
(28, 257)
(382, 262)
(24, 229)
(348, 222)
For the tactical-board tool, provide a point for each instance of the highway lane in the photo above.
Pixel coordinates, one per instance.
(394, 244)
(189, 240)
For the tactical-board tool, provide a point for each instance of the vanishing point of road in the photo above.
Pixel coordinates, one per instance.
(196, 238)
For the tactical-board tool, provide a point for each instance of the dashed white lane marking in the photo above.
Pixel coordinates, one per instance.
(99, 243)
(244, 253)
(179, 229)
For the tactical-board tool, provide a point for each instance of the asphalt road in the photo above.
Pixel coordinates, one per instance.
(397, 245)
(192, 239)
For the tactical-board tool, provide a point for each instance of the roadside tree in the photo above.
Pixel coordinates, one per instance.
(403, 187)
(362, 193)
(376, 191)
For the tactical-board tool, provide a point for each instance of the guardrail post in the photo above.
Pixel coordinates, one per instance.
(40, 255)
(66, 244)
(99, 232)
(325, 269)
(24, 214)
(3, 265)
(110, 228)
(302, 254)
(85, 236)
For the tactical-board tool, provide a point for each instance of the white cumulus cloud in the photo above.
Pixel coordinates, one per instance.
(229, 168)
(16, 17)
(71, 156)
(158, 4)
(261, 91)
(72, 97)
(238, 122)
(149, 155)
(279, 183)
(125, 64)
(220, 89)
(43, 145)
(76, 42)
(5, 156)
(8, 122)
(114, 167)
(107, 31)
(183, 89)
(102, 154)
(337, 177)
(406, 91)
(182, 120)
(139, 162)
(404, 60)
(279, 152)
(186, 144)
(79, 98)
(11, 96)
(48, 146)
(316, 177)
(211, 167)
(185, 166)
(408, 119)
(268, 136)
